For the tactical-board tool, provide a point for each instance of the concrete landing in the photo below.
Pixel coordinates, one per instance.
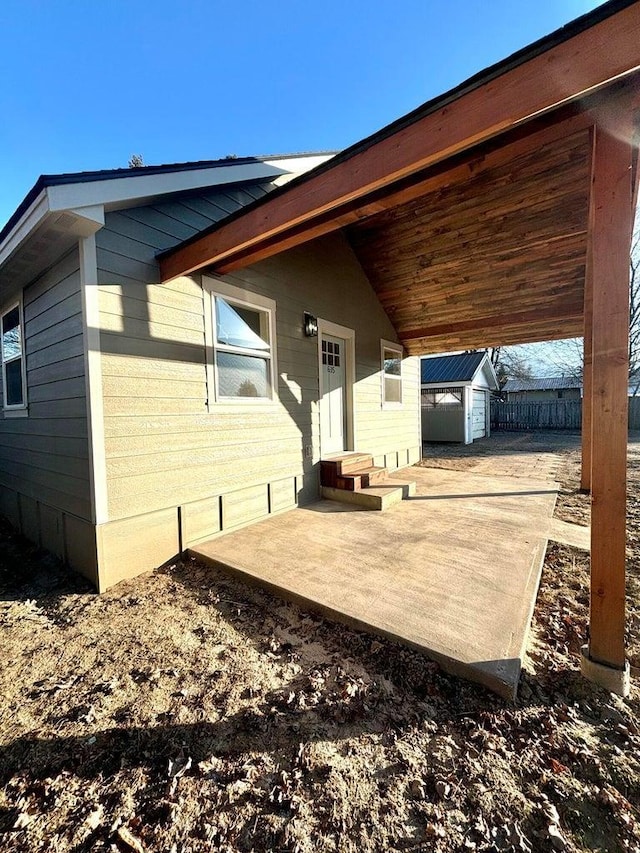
(452, 571)
(377, 497)
(570, 534)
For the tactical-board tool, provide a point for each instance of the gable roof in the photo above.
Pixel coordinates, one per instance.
(60, 209)
(451, 368)
(546, 383)
(66, 178)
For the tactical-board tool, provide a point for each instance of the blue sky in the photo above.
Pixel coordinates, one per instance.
(86, 84)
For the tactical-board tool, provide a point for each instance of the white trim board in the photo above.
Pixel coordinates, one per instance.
(93, 378)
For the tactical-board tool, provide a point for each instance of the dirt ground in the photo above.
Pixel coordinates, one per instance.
(184, 712)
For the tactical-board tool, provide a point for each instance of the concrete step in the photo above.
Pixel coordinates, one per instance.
(378, 497)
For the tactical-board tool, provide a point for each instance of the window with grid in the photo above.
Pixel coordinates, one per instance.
(442, 398)
(331, 353)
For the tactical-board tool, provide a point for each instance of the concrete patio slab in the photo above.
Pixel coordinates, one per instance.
(452, 571)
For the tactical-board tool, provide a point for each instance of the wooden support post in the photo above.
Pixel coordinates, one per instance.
(587, 405)
(610, 240)
(587, 372)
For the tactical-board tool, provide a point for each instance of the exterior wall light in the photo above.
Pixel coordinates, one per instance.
(310, 325)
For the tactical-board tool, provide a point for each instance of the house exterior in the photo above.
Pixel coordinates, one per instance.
(546, 388)
(455, 396)
(138, 417)
(162, 380)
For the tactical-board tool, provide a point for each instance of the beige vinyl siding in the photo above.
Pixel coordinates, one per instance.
(164, 448)
(45, 455)
(44, 458)
(325, 278)
(174, 455)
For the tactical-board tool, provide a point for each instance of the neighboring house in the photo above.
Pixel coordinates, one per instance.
(547, 388)
(455, 392)
(138, 417)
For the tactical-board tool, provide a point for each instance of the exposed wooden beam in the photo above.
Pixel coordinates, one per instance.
(456, 170)
(571, 70)
(587, 398)
(500, 336)
(610, 238)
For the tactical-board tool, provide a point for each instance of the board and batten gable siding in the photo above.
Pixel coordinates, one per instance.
(178, 472)
(44, 457)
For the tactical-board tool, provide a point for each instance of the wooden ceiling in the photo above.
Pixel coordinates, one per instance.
(498, 258)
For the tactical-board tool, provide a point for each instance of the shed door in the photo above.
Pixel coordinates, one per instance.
(479, 415)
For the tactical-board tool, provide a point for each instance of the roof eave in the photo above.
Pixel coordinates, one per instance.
(129, 187)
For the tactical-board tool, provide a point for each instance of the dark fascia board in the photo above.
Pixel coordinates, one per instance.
(45, 181)
(520, 57)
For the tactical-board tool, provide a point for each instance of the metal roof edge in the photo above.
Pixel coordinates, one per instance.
(64, 178)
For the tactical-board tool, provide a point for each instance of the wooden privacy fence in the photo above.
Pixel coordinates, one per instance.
(548, 414)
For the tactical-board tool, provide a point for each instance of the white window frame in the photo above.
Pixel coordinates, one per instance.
(399, 351)
(17, 410)
(246, 299)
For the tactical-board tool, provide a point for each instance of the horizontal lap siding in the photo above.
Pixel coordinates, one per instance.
(326, 279)
(163, 447)
(383, 430)
(45, 456)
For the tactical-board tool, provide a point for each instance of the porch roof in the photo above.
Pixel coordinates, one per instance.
(469, 215)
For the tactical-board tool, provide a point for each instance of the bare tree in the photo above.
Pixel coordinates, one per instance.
(136, 161)
(510, 363)
(567, 358)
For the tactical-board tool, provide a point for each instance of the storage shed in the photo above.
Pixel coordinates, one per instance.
(455, 396)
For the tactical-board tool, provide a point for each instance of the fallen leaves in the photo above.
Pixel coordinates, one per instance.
(130, 840)
(186, 712)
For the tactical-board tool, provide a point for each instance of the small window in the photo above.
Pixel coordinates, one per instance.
(442, 398)
(13, 366)
(391, 373)
(243, 349)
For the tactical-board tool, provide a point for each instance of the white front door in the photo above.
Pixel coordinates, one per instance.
(333, 408)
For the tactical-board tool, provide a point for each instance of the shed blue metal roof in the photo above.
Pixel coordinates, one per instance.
(451, 368)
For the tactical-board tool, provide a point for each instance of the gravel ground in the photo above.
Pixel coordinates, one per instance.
(185, 712)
